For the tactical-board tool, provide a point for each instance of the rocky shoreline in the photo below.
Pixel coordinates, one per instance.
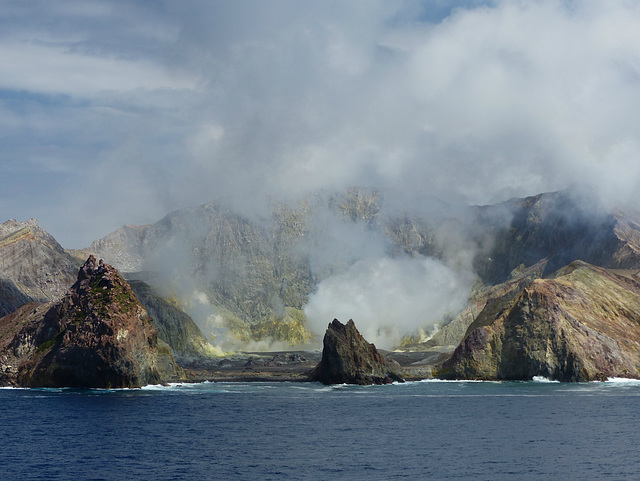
(293, 366)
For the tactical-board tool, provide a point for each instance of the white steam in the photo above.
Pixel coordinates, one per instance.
(389, 297)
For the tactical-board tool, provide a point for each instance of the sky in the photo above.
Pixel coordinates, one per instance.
(118, 112)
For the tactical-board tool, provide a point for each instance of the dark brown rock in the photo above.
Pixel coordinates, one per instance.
(97, 335)
(347, 358)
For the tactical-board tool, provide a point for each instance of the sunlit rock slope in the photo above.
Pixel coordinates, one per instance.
(582, 324)
(33, 266)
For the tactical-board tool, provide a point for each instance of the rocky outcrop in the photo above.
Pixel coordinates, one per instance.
(582, 324)
(483, 298)
(97, 335)
(347, 358)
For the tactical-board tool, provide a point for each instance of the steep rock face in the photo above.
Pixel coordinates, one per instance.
(97, 335)
(347, 358)
(560, 227)
(250, 272)
(125, 246)
(581, 325)
(33, 263)
(174, 326)
(258, 274)
(11, 297)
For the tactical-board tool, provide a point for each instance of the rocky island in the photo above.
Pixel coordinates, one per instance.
(347, 358)
(97, 335)
(555, 295)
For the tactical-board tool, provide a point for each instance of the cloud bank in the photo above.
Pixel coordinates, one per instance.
(116, 112)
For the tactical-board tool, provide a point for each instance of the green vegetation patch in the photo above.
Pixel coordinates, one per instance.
(45, 346)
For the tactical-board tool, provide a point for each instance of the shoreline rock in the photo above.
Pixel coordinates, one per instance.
(582, 324)
(347, 358)
(98, 335)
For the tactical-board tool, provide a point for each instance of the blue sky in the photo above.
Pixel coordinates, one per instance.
(117, 112)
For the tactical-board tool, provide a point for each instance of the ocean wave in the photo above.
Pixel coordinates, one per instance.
(171, 385)
(623, 380)
(543, 379)
(452, 381)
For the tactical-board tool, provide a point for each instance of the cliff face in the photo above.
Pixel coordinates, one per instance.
(33, 266)
(174, 326)
(581, 325)
(258, 274)
(249, 272)
(347, 358)
(97, 335)
(560, 227)
(11, 297)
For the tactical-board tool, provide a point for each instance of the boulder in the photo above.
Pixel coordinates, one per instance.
(347, 358)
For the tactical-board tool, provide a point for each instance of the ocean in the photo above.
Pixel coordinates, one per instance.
(306, 431)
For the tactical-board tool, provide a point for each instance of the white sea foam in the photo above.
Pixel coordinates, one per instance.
(171, 385)
(623, 380)
(459, 381)
(542, 379)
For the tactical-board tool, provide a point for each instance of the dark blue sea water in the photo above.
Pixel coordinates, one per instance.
(262, 431)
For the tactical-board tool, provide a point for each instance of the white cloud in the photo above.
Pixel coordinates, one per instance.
(53, 69)
(479, 102)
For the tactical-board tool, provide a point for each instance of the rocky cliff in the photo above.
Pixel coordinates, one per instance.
(33, 266)
(559, 227)
(174, 326)
(258, 274)
(581, 324)
(97, 335)
(347, 358)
